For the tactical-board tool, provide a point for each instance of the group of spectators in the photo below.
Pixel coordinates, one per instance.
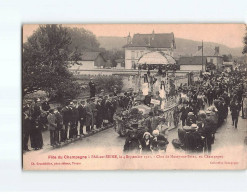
(202, 108)
(220, 93)
(75, 119)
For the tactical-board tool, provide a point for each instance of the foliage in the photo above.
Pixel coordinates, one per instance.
(45, 62)
(227, 58)
(82, 40)
(245, 41)
(108, 83)
(112, 55)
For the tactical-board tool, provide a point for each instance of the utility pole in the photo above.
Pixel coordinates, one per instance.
(202, 55)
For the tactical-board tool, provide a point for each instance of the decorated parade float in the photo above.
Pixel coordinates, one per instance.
(155, 87)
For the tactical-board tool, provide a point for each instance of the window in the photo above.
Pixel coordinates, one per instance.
(133, 64)
(132, 54)
(211, 60)
(137, 54)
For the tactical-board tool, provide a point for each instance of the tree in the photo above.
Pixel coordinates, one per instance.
(108, 83)
(245, 41)
(45, 61)
(112, 55)
(83, 40)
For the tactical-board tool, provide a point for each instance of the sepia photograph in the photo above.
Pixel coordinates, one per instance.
(134, 96)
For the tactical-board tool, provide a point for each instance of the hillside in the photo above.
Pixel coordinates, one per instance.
(110, 43)
(188, 47)
(183, 46)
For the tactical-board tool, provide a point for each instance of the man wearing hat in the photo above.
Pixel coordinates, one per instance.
(67, 113)
(74, 120)
(52, 126)
(89, 114)
(111, 109)
(159, 142)
(148, 98)
(132, 142)
(92, 88)
(151, 122)
(94, 112)
(35, 109)
(184, 110)
(208, 132)
(59, 123)
(191, 119)
(82, 115)
(244, 106)
(235, 108)
(99, 115)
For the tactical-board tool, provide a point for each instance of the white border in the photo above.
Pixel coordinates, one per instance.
(14, 13)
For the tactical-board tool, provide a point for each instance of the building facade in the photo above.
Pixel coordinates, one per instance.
(89, 60)
(141, 44)
(212, 55)
(192, 63)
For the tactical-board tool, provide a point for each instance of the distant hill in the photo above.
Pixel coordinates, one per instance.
(110, 43)
(183, 46)
(189, 47)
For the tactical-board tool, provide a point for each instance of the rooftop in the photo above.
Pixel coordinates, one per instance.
(208, 51)
(156, 57)
(161, 40)
(90, 56)
(193, 60)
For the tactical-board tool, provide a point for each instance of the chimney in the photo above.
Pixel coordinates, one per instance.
(217, 51)
(128, 39)
(153, 35)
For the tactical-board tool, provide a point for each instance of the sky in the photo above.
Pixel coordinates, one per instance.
(230, 35)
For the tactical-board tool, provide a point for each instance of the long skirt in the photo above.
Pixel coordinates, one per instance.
(36, 137)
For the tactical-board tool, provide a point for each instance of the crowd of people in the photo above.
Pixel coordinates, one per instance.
(202, 107)
(74, 119)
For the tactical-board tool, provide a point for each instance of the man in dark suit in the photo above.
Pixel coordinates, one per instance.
(92, 88)
(184, 110)
(99, 115)
(89, 114)
(66, 112)
(82, 116)
(147, 99)
(235, 108)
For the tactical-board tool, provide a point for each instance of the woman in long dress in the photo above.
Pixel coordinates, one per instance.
(36, 134)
